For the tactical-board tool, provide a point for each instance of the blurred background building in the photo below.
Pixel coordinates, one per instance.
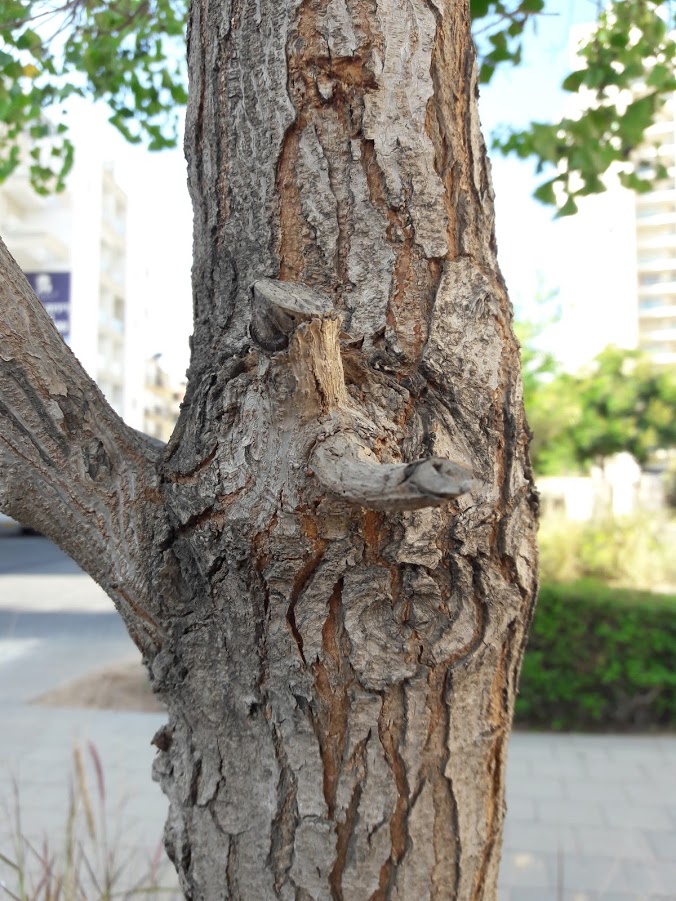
(162, 400)
(78, 254)
(655, 224)
(72, 247)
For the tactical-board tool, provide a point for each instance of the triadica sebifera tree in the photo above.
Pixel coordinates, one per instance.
(330, 569)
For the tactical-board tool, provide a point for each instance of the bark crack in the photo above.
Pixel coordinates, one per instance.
(333, 675)
(448, 844)
(346, 830)
(285, 822)
(392, 732)
(302, 580)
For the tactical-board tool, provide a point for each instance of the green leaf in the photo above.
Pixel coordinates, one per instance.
(479, 8)
(545, 192)
(569, 208)
(574, 81)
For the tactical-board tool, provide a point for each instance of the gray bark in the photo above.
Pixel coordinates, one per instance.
(330, 568)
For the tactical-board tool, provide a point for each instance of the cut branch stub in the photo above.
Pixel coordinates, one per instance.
(279, 307)
(293, 316)
(350, 470)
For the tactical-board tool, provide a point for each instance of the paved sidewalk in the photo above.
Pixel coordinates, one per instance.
(595, 815)
(36, 753)
(590, 818)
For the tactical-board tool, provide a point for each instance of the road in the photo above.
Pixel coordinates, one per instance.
(56, 624)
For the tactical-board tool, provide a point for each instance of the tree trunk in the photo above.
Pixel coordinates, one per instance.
(330, 569)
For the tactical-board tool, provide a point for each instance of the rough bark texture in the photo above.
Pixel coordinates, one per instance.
(337, 640)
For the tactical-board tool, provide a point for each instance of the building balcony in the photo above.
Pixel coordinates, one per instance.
(114, 237)
(659, 264)
(659, 289)
(18, 189)
(662, 239)
(656, 308)
(112, 329)
(113, 280)
(647, 218)
(652, 198)
(663, 336)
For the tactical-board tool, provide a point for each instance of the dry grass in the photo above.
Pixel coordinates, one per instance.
(81, 863)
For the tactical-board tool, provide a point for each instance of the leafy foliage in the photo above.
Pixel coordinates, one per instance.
(626, 404)
(626, 75)
(621, 402)
(599, 658)
(128, 53)
(499, 31)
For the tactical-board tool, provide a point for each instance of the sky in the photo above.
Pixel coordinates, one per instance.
(529, 239)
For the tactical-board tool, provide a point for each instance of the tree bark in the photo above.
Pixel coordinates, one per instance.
(331, 567)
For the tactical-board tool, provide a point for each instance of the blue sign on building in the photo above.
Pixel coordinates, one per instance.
(53, 290)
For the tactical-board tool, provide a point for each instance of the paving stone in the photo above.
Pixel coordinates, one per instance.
(535, 788)
(592, 790)
(609, 896)
(529, 894)
(592, 874)
(638, 816)
(607, 771)
(665, 873)
(571, 813)
(617, 844)
(538, 837)
(524, 869)
(521, 809)
(663, 844)
(658, 792)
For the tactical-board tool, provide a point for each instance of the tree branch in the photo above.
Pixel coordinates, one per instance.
(69, 466)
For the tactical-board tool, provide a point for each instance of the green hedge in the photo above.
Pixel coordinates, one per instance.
(600, 658)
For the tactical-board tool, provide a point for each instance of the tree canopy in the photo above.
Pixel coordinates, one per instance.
(129, 53)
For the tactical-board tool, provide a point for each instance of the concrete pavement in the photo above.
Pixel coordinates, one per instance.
(590, 818)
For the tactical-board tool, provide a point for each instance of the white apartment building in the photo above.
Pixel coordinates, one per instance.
(72, 248)
(597, 278)
(655, 225)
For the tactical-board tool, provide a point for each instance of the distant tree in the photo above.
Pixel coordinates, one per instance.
(626, 404)
(129, 53)
(621, 402)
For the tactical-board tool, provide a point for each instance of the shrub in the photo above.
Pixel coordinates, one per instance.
(627, 551)
(600, 658)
